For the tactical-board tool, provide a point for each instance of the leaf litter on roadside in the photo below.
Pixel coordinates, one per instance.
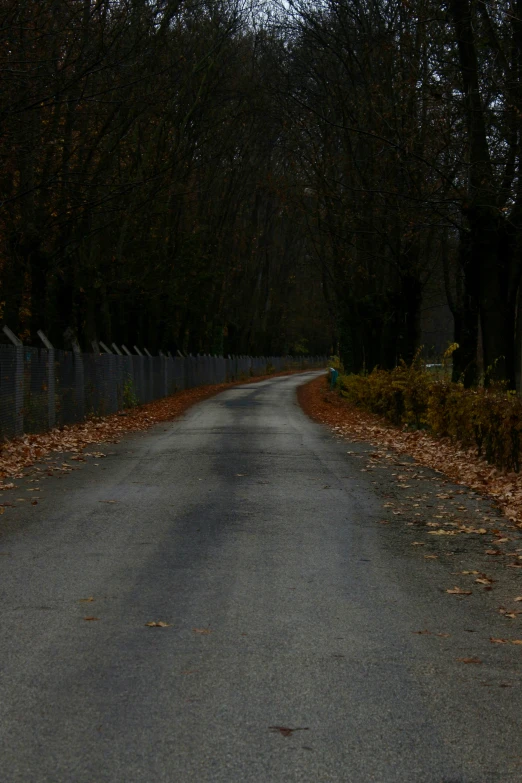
(20, 454)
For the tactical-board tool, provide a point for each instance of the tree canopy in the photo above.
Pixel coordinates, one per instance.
(217, 176)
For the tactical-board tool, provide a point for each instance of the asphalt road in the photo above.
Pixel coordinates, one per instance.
(248, 529)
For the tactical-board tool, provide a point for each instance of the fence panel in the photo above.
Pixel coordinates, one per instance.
(40, 388)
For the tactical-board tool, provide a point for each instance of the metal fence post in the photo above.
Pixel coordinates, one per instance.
(19, 381)
(51, 379)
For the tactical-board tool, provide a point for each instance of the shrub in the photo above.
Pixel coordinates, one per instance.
(489, 420)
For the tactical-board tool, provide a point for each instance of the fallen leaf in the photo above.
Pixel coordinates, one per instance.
(202, 630)
(441, 532)
(469, 660)
(157, 624)
(417, 543)
(286, 731)
(484, 580)
(516, 641)
(459, 591)
(88, 600)
(431, 557)
(518, 598)
(423, 633)
(498, 641)
(493, 552)
(90, 619)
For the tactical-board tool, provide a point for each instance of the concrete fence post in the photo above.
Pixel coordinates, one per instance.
(79, 386)
(19, 381)
(51, 380)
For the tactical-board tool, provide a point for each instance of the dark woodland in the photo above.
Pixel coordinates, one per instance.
(221, 177)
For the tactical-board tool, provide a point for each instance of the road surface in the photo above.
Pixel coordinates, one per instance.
(246, 529)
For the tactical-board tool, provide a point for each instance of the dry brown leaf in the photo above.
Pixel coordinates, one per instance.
(157, 624)
(518, 598)
(286, 731)
(90, 619)
(431, 557)
(441, 532)
(459, 591)
(417, 543)
(88, 600)
(202, 630)
(484, 580)
(498, 641)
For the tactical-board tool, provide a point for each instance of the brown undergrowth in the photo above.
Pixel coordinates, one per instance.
(461, 465)
(20, 454)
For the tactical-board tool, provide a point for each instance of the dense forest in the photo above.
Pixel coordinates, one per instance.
(220, 176)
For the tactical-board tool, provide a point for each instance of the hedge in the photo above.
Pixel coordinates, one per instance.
(488, 419)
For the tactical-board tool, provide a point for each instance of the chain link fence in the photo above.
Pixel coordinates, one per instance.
(41, 389)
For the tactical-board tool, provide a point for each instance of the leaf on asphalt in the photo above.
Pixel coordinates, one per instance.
(441, 532)
(469, 573)
(484, 580)
(459, 591)
(417, 543)
(2, 509)
(431, 557)
(157, 624)
(479, 530)
(516, 641)
(202, 630)
(501, 540)
(90, 619)
(286, 731)
(518, 598)
(493, 552)
(443, 635)
(469, 660)
(425, 632)
(33, 503)
(498, 641)
(88, 600)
